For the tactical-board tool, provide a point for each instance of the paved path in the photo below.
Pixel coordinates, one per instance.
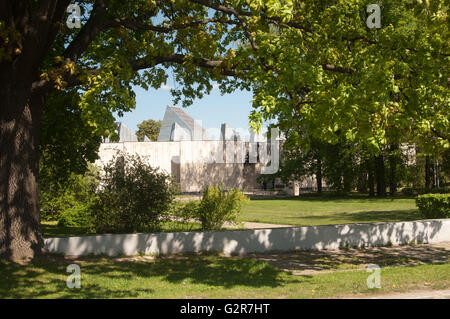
(418, 294)
(247, 225)
(325, 261)
(253, 225)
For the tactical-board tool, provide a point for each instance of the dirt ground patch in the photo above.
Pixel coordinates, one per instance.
(417, 294)
(324, 261)
(253, 225)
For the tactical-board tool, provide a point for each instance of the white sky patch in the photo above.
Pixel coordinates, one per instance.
(165, 87)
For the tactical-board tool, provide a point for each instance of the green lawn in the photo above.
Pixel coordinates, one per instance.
(306, 210)
(201, 277)
(51, 228)
(313, 210)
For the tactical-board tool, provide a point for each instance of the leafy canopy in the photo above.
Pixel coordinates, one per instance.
(313, 65)
(327, 74)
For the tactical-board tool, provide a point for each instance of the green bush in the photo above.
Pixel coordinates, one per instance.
(69, 204)
(78, 215)
(133, 196)
(185, 214)
(410, 191)
(436, 190)
(185, 211)
(218, 206)
(434, 205)
(54, 204)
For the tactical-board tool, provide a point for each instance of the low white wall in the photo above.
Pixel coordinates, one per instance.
(255, 240)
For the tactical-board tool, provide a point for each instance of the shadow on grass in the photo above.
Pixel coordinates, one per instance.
(316, 261)
(45, 277)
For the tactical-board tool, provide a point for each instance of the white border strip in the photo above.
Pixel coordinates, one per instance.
(255, 240)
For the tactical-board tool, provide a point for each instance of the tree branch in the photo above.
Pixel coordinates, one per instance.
(87, 33)
(148, 62)
(230, 11)
(335, 68)
(136, 25)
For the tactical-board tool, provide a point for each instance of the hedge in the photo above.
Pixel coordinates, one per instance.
(434, 205)
(409, 191)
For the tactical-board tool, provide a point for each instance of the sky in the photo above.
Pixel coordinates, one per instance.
(212, 110)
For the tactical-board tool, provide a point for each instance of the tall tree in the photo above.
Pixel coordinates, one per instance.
(342, 76)
(380, 174)
(119, 44)
(393, 162)
(68, 142)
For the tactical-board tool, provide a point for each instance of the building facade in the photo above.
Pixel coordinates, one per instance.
(184, 151)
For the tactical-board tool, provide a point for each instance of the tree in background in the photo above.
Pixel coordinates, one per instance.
(68, 142)
(68, 145)
(344, 81)
(149, 128)
(334, 163)
(373, 89)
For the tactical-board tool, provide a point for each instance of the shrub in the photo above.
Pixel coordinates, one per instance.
(133, 196)
(182, 216)
(420, 190)
(69, 205)
(218, 206)
(78, 215)
(54, 204)
(435, 190)
(434, 205)
(185, 211)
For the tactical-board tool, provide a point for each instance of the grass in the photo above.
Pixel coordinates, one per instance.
(52, 229)
(215, 276)
(314, 210)
(307, 210)
(209, 276)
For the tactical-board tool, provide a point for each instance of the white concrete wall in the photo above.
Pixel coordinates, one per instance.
(255, 240)
(157, 154)
(195, 177)
(200, 162)
(205, 162)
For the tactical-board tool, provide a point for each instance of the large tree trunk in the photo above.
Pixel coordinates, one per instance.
(319, 176)
(370, 177)
(428, 174)
(380, 175)
(393, 169)
(347, 178)
(34, 25)
(20, 233)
